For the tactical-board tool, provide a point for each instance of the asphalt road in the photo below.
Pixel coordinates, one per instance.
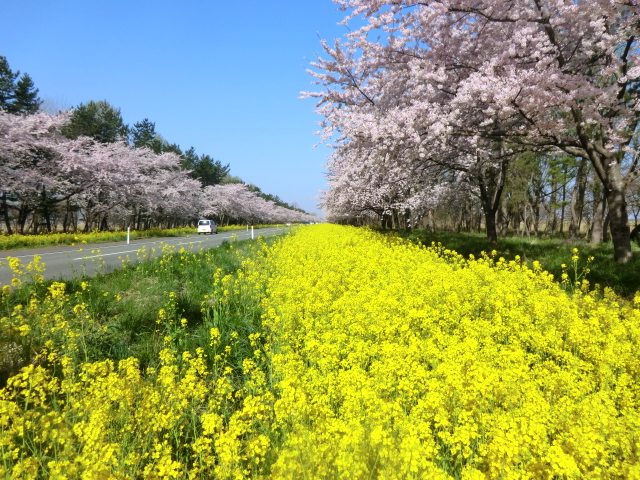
(73, 262)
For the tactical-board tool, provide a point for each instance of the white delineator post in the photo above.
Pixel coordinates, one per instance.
(251, 232)
(128, 229)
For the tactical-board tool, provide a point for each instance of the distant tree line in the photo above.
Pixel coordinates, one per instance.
(86, 168)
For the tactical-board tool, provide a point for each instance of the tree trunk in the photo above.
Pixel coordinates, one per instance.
(564, 199)
(45, 209)
(597, 230)
(490, 198)
(607, 166)
(528, 222)
(577, 199)
(23, 214)
(386, 221)
(503, 218)
(619, 226)
(490, 224)
(65, 220)
(5, 213)
(605, 228)
(553, 224)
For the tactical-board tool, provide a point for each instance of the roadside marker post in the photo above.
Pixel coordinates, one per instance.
(128, 231)
(251, 232)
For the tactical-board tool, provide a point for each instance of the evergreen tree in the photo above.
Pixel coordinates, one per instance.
(25, 96)
(7, 84)
(143, 134)
(190, 159)
(210, 171)
(98, 120)
(204, 168)
(166, 147)
(20, 96)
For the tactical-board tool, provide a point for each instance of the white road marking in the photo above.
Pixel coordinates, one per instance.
(104, 255)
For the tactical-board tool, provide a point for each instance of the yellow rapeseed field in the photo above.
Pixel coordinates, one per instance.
(382, 360)
(396, 361)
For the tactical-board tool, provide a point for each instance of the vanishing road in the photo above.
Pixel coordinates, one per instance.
(73, 262)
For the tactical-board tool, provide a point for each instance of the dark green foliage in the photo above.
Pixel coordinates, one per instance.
(167, 147)
(190, 159)
(204, 168)
(98, 120)
(25, 96)
(143, 134)
(209, 171)
(17, 97)
(7, 84)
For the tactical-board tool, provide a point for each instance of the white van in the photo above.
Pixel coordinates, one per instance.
(207, 226)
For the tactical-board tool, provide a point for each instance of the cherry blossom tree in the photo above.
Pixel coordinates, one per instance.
(32, 171)
(235, 202)
(469, 82)
(41, 168)
(134, 186)
(102, 184)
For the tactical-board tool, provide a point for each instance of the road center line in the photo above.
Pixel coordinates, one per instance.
(105, 255)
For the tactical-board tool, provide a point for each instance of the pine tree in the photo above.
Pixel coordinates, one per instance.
(143, 133)
(209, 171)
(98, 120)
(17, 97)
(189, 159)
(25, 96)
(7, 84)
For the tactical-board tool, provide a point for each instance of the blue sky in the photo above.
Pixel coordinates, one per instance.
(221, 76)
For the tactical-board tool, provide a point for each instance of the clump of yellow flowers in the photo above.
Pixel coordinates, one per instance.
(378, 359)
(198, 414)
